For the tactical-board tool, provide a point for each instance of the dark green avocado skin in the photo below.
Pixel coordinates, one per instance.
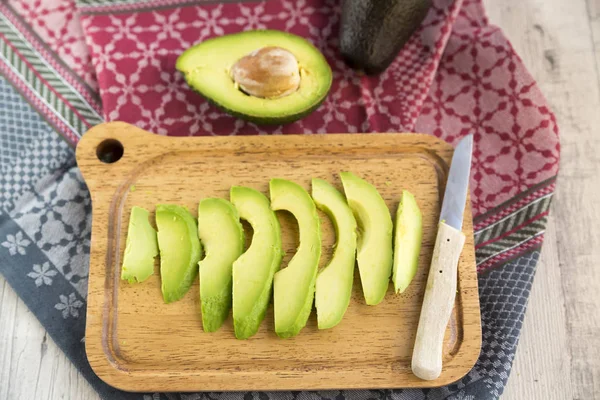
(288, 119)
(372, 32)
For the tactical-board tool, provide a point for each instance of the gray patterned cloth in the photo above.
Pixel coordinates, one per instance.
(45, 221)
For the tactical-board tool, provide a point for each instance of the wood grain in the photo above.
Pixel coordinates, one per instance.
(136, 342)
(32, 366)
(539, 33)
(544, 340)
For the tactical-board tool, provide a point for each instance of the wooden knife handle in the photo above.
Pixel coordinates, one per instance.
(440, 293)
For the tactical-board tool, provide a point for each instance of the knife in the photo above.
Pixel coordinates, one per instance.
(440, 291)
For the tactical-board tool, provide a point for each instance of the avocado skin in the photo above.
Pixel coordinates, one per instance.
(287, 119)
(372, 32)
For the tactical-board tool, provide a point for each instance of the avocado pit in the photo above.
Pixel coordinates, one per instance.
(269, 73)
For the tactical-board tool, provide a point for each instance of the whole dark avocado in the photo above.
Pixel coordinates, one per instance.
(372, 32)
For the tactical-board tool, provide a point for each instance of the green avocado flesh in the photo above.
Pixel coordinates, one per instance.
(140, 247)
(294, 286)
(253, 271)
(374, 252)
(222, 237)
(207, 65)
(334, 282)
(407, 241)
(180, 250)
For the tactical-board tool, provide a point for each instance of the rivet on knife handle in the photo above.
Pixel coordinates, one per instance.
(437, 306)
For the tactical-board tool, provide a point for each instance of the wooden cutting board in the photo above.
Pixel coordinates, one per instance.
(136, 342)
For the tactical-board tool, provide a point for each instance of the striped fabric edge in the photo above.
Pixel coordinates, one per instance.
(514, 227)
(27, 94)
(534, 243)
(89, 94)
(42, 85)
(497, 213)
(97, 7)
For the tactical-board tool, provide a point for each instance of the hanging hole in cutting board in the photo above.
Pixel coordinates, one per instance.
(109, 151)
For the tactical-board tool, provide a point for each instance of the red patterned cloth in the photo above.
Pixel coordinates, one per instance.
(57, 24)
(456, 75)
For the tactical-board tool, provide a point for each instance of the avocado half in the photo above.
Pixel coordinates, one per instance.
(263, 76)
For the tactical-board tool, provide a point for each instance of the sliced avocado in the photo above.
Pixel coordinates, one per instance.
(180, 250)
(263, 76)
(295, 285)
(140, 247)
(222, 237)
(253, 271)
(334, 282)
(407, 241)
(374, 253)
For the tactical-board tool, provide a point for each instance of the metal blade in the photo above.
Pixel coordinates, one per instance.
(455, 197)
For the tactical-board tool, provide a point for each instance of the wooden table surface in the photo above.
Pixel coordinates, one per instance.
(559, 41)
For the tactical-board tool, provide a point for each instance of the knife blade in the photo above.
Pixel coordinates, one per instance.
(440, 291)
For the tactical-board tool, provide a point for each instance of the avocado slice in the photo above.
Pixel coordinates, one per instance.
(374, 252)
(222, 237)
(140, 248)
(407, 241)
(334, 282)
(295, 285)
(263, 76)
(180, 250)
(253, 271)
